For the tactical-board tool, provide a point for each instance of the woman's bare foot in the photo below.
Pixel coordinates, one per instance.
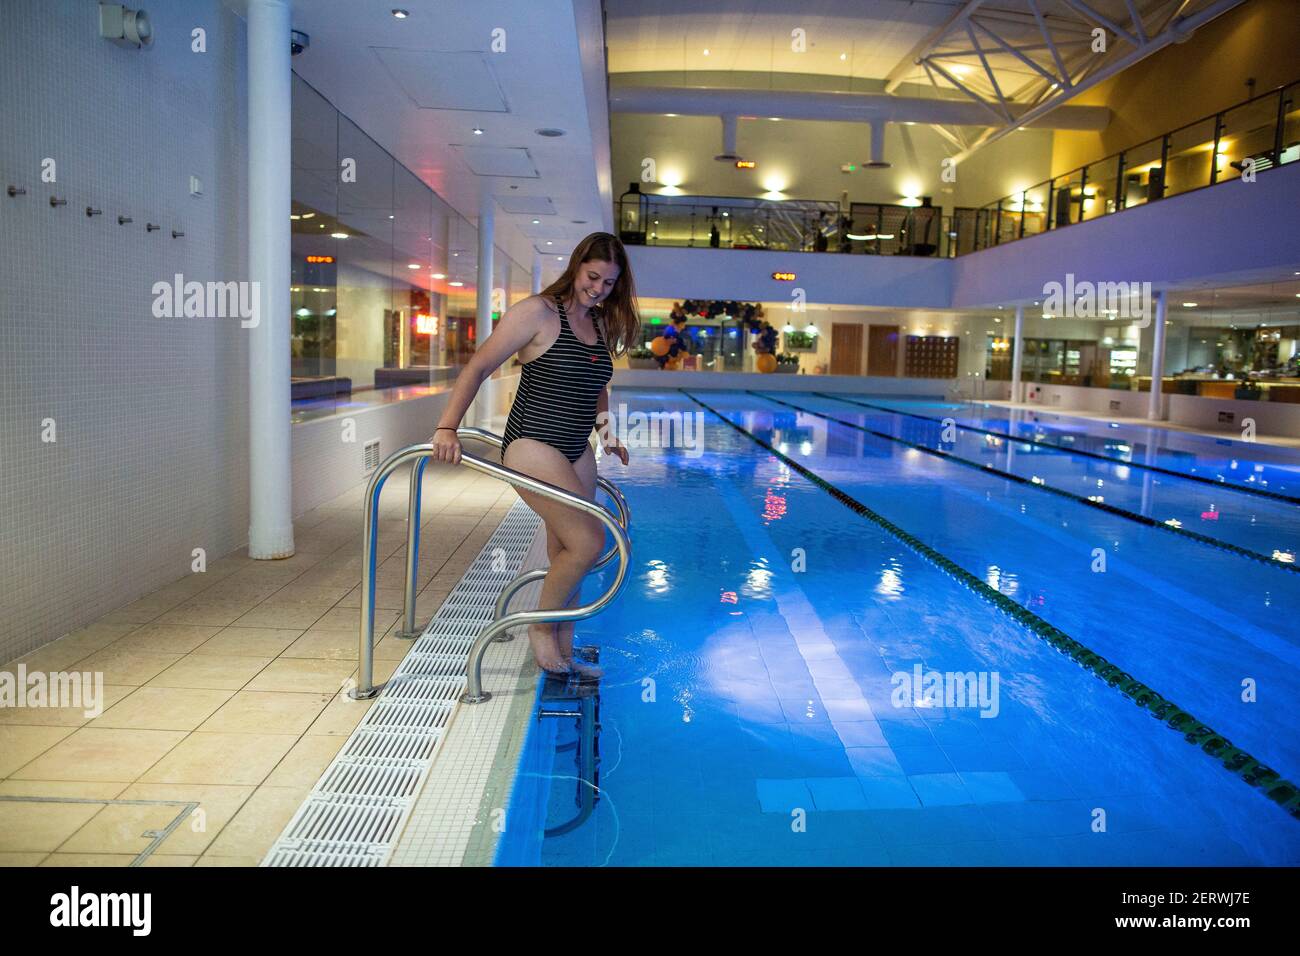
(564, 639)
(542, 639)
(583, 669)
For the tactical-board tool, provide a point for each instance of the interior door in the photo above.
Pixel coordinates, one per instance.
(882, 350)
(846, 348)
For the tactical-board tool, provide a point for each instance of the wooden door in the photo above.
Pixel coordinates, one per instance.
(846, 348)
(882, 350)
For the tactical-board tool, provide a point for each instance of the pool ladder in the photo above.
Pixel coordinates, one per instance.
(581, 702)
(499, 627)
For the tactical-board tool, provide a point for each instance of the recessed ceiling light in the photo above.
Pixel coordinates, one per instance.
(1189, 305)
(412, 265)
(549, 243)
(536, 221)
(439, 275)
(706, 51)
(478, 131)
(456, 284)
(338, 235)
(312, 215)
(294, 216)
(549, 131)
(401, 14)
(559, 257)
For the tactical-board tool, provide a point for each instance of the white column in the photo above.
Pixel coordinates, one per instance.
(270, 509)
(1155, 411)
(1017, 354)
(537, 272)
(486, 402)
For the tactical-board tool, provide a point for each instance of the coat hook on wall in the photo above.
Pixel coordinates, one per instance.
(150, 227)
(17, 191)
(92, 211)
(57, 202)
(123, 220)
(177, 235)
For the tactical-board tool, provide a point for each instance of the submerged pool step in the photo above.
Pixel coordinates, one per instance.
(357, 810)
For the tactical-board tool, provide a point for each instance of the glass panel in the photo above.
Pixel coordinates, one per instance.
(1067, 199)
(462, 265)
(1189, 158)
(411, 320)
(1099, 191)
(1247, 134)
(1143, 174)
(1290, 124)
(1034, 212)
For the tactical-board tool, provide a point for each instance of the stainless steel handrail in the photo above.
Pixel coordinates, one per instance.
(474, 693)
(410, 630)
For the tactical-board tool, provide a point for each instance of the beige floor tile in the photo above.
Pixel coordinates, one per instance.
(21, 744)
(303, 765)
(304, 675)
(231, 861)
(217, 805)
(265, 642)
(254, 829)
(324, 645)
(166, 638)
(127, 667)
(300, 593)
(267, 712)
(41, 827)
(62, 716)
(164, 708)
(297, 616)
(170, 859)
(211, 671)
(213, 613)
(121, 828)
(21, 859)
(81, 789)
(92, 753)
(239, 759)
(88, 859)
(341, 717)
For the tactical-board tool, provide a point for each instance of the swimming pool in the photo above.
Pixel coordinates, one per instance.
(801, 588)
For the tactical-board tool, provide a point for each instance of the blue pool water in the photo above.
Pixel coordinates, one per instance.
(751, 712)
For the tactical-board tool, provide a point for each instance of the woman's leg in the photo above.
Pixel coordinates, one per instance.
(580, 538)
(585, 469)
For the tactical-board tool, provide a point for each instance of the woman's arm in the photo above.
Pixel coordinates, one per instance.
(517, 328)
(605, 428)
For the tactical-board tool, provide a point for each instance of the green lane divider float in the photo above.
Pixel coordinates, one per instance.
(1080, 499)
(1254, 772)
(1245, 489)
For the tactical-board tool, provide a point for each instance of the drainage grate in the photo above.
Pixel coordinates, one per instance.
(357, 809)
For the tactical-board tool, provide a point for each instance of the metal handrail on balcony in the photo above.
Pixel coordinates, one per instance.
(418, 456)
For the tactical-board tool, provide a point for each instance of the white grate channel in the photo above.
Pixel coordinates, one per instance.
(356, 811)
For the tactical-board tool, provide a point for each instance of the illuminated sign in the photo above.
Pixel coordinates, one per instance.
(745, 164)
(783, 276)
(426, 324)
(314, 259)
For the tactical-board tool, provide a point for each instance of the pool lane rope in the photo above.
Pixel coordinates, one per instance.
(1196, 732)
(1050, 489)
(1220, 484)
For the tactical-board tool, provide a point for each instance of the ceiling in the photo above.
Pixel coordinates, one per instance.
(419, 86)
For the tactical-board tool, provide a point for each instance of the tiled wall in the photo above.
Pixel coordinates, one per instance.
(150, 414)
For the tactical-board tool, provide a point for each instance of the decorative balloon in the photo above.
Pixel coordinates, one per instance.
(660, 345)
(767, 362)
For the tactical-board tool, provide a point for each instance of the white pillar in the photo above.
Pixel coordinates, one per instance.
(485, 404)
(537, 272)
(270, 508)
(1017, 354)
(1155, 411)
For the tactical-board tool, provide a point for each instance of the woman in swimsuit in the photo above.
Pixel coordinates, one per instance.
(564, 337)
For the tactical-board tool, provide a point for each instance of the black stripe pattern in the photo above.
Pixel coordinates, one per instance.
(558, 392)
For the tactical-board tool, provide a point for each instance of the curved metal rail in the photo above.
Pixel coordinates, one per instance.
(419, 456)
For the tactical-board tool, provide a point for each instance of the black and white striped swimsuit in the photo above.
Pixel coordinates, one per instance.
(558, 392)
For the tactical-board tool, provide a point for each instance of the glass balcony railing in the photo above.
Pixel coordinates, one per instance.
(1244, 140)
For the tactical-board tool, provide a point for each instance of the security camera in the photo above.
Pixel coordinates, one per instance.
(298, 41)
(125, 27)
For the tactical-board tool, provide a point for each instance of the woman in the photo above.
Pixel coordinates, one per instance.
(565, 337)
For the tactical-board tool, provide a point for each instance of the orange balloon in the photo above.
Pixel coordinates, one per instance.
(674, 364)
(766, 362)
(660, 345)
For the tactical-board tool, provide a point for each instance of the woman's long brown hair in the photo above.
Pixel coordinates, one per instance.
(618, 310)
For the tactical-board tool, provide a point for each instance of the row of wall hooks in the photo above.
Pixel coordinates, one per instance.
(91, 212)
